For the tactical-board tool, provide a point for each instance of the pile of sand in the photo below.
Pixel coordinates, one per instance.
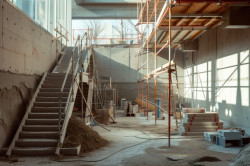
(80, 134)
(243, 157)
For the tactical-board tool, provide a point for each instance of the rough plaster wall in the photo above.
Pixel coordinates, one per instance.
(15, 93)
(26, 48)
(216, 44)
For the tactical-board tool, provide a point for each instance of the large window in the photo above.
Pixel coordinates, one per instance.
(233, 73)
(47, 12)
(198, 81)
(231, 80)
(188, 83)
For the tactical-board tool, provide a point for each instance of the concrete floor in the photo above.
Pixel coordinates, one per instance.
(130, 137)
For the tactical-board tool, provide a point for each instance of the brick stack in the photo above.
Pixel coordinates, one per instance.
(196, 121)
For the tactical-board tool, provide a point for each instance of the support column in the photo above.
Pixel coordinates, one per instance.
(155, 99)
(147, 99)
(169, 76)
(141, 96)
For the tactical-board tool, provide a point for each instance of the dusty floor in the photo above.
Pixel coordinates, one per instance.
(136, 141)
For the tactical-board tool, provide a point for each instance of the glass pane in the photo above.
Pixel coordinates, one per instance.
(227, 61)
(51, 16)
(41, 13)
(228, 95)
(244, 74)
(28, 7)
(244, 56)
(227, 77)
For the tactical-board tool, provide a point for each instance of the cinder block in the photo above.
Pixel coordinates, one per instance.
(230, 134)
(221, 141)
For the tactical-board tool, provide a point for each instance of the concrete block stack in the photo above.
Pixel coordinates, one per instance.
(196, 121)
(225, 137)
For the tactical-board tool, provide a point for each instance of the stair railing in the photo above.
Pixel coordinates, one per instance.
(70, 100)
(61, 33)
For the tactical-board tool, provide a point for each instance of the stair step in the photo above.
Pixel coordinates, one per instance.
(57, 81)
(34, 151)
(45, 115)
(54, 90)
(42, 121)
(52, 94)
(46, 110)
(36, 142)
(40, 128)
(49, 104)
(55, 85)
(50, 135)
(50, 99)
(56, 74)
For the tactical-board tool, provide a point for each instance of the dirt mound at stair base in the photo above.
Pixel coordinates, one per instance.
(80, 134)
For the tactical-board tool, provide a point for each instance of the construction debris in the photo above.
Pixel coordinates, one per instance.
(80, 134)
(196, 121)
(243, 157)
(226, 137)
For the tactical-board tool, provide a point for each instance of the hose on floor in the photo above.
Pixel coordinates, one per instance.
(137, 136)
(104, 157)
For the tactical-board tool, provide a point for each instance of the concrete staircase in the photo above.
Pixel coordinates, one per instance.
(197, 121)
(40, 133)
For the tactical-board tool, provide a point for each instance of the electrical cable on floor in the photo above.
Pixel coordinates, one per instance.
(104, 157)
(137, 136)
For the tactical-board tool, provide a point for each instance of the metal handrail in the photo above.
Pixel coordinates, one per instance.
(61, 36)
(74, 76)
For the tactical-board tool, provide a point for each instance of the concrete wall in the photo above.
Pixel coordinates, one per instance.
(25, 47)
(224, 47)
(26, 52)
(121, 65)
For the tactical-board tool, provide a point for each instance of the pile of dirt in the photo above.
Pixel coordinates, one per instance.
(243, 157)
(80, 134)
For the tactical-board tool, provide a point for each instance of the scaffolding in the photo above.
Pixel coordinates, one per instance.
(167, 10)
(196, 18)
